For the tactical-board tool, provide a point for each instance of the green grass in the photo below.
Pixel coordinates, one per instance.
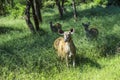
(26, 56)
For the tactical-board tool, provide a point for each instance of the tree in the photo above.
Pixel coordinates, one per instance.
(27, 17)
(74, 10)
(59, 8)
(37, 7)
(35, 4)
(63, 8)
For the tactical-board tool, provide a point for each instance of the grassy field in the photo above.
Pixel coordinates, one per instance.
(26, 56)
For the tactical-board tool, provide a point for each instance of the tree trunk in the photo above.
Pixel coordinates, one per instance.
(59, 8)
(27, 17)
(12, 3)
(36, 21)
(74, 10)
(63, 8)
(38, 9)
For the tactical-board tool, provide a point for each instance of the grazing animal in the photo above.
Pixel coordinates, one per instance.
(55, 27)
(92, 32)
(65, 47)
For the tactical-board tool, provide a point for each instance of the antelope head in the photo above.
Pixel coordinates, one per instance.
(86, 25)
(67, 34)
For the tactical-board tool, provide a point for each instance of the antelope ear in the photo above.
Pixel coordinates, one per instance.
(61, 32)
(72, 30)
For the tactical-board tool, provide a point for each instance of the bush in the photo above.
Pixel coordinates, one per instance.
(101, 2)
(4, 8)
(17, 11)
(107, 2)
(114, 2)
(49, 4)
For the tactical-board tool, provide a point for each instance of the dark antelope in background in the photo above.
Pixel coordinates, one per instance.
(55, 27)
(90, 32)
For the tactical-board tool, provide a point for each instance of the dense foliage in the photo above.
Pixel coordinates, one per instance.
(16, 7)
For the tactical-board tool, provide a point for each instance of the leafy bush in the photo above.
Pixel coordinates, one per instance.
(49, 4)
(100, 2)
(20, 1)
(107, 2)
(114, 2)
(17, 11)
(4, 7)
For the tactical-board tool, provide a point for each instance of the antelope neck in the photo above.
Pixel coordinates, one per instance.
(69, 40)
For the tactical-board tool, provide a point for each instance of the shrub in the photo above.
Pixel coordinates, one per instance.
(17, 11)
(49, 4)
(114, 2)
(100, 2)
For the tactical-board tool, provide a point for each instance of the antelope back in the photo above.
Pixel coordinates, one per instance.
(58, 25)
(57, 42)
(93, 32)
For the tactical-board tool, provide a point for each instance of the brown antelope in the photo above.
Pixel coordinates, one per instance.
(55, 27)
(65, 47)
(92, 32)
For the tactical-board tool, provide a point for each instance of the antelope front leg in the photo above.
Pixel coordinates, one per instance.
(67, 60)
(73, 61)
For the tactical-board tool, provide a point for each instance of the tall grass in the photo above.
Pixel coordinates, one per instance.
(26, 56)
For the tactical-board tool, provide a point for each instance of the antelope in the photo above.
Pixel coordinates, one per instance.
(55, 27)
(92, 32)
(65, 47)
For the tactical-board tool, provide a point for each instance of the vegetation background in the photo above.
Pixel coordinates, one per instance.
(28, 56)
